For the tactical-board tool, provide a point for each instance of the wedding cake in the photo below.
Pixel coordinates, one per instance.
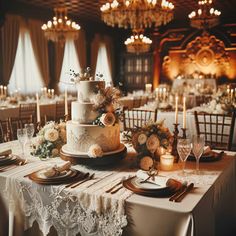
(93, 129)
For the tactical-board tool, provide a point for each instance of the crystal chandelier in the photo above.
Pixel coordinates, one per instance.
(137, 14)
(205, 17)
(138, 43)
(60, 28)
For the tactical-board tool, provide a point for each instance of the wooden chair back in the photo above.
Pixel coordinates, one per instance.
(4, 131)
(218, 129)
(137, 118)
(60, 111)
(27, 110)
(136, 102)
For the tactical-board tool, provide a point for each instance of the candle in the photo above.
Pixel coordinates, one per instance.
(148, 88)
(1, 90)
(167, 162)
(52, 90)
(5, 91)
(38, 108)
(184, 112)
(176, 109)
(66, 104)
(231, 94)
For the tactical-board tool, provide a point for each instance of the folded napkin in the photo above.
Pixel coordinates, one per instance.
(158, 180)
(57, 169)
(6, 152)
(207, 150)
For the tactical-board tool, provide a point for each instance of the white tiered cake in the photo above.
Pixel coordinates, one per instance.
(82, 133)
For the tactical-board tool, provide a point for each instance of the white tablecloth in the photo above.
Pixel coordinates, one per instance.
(208, 210)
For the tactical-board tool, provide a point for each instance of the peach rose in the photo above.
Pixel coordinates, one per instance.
(146, 163)
(152, 143)
(142, 138)
(108, 119)
(95, 151)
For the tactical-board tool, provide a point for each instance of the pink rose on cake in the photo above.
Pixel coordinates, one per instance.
(95, 151)
(108, 119)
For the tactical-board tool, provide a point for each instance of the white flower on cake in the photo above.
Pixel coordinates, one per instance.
(95, 151)
(98, 99)
(142, 138)
(51, 135)
(108, 119)
(152, 143)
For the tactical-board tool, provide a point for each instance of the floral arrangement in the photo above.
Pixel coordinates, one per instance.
(148, 140)
(49, 140)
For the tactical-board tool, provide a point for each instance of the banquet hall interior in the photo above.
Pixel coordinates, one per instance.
(117, 117)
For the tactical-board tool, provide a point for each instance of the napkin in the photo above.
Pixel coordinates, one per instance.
(158, 180)
(6, 152)
(207, 150)
(57, 169)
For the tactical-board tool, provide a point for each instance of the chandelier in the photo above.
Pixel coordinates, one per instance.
(138, 43)
(60, 28)
(137, 14)
(205, 17)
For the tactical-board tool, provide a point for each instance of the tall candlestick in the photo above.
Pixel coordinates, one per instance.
(184, 112)
(176, 109)
(38, 108)
(52, 90)
(66, 104)
(5, 91)
(1, 90)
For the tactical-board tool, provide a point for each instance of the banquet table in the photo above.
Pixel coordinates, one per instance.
(210, 209)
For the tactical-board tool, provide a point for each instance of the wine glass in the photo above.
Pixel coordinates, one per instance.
(184, 147)
(30, 130)
(198, 148)
(22, 138)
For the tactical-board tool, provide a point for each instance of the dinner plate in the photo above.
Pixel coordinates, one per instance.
(209, 157)
(8, 160)
(163, 190)
(65, 177)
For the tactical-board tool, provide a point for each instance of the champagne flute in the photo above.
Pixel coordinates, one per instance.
(184, 147)
(198, 148)
(30, 130)
(22, 138)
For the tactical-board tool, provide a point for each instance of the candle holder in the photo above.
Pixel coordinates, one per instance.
(174, 151)
(184, 132)
(38, 126)
(66, 117)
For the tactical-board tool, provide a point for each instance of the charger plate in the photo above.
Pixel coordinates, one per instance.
(64, 177)
(108, 159)
(152, 190)
(8, 160)
(209, 157)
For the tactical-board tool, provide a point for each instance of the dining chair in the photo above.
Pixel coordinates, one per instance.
(218, 129)
(27, 109)
(4, 131)
(136, 102)
(18, 123)
(137, 118)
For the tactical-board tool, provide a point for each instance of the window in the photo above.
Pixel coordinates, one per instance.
(102, 65)
(25, 76)
(70, 61)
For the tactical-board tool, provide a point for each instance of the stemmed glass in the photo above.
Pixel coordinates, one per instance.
(30, 131)
(22, 138)
(198, 148)
(184, 147)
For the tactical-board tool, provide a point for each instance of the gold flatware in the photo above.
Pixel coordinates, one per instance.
(87, 179)
(117, 184)
(116, 190)
(99, 180)
(184, 193)
(79, 177)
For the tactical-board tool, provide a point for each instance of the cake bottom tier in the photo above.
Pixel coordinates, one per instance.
(81, 136)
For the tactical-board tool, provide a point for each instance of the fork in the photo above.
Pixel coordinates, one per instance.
(87, 179)
(117, 184)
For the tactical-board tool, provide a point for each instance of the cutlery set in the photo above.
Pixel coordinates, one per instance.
(179, 195)
(20, 162)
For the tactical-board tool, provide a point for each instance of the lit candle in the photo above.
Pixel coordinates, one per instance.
(184, 112)
(52, 90)
(1, 90)
(38, 108)
(167, 162)
(66, 104)
(45, 91)
(5, 91)
(231, 94)
(148, 88)
(176, 109)
(164, 93)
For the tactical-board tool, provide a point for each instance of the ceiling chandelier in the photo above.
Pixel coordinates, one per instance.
(138, 43)
(137, 14)
(205, 17)
(60, 28)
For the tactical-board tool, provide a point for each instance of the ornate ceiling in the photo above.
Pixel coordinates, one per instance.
(89, 10)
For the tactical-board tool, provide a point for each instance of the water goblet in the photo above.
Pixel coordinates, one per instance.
(30, 130)
(22, 138)
(184, 147)
(198, 148)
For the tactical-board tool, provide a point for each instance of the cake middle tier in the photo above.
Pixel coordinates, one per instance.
(81, 136)
(84, 113)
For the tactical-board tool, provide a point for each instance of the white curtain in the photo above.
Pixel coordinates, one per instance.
(70, 61)
(102, 65)
(25, 76)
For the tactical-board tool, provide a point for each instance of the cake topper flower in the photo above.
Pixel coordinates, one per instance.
(82, 76)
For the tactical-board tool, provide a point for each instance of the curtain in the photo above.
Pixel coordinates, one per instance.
(94, 51)
(9, 42)
(40, 47)
(80, 45)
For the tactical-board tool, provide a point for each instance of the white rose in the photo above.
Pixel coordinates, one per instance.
(49, 125)
(51, 135)
(95, 151)
(108, 119)
(142, 138)
(38, 140)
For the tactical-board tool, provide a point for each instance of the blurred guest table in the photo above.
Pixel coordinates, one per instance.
(210, 209)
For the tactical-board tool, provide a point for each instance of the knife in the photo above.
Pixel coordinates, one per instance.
(180, 191)
(184, 193)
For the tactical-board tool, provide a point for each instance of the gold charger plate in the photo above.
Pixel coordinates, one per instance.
(65, 177)
(165, 190)
(209, 157)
